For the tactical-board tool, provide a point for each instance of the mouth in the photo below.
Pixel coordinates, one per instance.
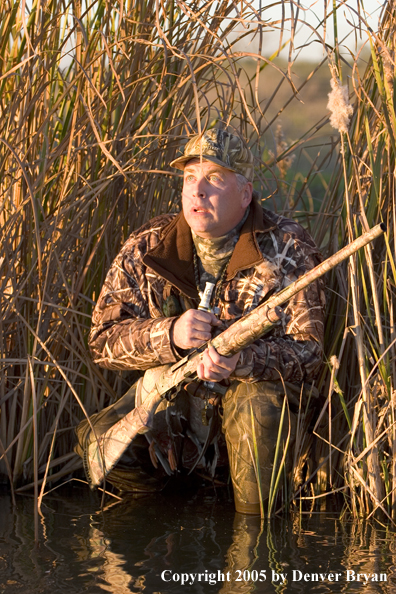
(197, 209)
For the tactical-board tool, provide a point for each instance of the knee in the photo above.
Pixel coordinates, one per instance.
(257, 405)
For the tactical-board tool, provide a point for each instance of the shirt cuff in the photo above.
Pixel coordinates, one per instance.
(161, 342)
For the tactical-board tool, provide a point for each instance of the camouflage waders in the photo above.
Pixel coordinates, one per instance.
(252, 413)
(134, 472)
(174, 441)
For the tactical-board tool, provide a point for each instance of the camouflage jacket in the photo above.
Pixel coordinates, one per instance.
(151, 282)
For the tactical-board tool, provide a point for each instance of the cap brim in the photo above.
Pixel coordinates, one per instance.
(180, 162)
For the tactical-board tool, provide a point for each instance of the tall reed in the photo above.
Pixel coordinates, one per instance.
(94, 102)
(360, 329)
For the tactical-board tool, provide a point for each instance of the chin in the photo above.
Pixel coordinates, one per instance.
(199, 226)
(202, 232)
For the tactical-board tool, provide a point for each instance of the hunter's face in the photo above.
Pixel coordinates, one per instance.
(213, 202)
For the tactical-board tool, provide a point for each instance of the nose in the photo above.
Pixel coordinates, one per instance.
(199, 189)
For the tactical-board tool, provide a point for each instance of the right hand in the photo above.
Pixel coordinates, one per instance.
(193, 329)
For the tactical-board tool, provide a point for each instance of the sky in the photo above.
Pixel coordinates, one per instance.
(347, 20)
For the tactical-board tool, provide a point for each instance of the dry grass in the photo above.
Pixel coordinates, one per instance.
(94, 101)
(360, 329)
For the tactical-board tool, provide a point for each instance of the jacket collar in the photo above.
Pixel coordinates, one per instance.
(172, 257)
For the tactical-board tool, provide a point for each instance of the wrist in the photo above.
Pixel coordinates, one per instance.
(179, 352)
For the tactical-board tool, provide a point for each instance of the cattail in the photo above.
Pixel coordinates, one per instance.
(281, 146)
(389, 67)
(341, 109)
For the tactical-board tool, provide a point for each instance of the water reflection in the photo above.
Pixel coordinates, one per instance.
(97, 546)
(192, 543)
(242, 570)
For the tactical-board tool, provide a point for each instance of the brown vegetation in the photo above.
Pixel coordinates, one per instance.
(94, 101)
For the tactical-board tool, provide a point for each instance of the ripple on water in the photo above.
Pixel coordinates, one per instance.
(155, 543)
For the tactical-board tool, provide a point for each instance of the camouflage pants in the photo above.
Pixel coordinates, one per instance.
(250, 424)
(134, 472)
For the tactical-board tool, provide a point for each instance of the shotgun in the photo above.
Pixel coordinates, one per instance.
(103, 453)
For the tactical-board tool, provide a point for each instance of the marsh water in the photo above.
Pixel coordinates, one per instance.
(192, 542)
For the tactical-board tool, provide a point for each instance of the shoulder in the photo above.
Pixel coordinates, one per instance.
(148, 235)
(287, 229)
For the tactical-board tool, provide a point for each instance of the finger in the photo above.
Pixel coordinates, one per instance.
(200, 326)
(210, 376)
(218, 360)
(220, 364)
(200, 316)
(206, 317)
(214, 377)
(201, 335)
(200, 330)
(212, 369)
(206, 374)
(196, 342)
(200, 371)
(214, 355)
(215, 321)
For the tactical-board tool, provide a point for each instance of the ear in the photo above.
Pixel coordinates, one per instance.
(247, 195)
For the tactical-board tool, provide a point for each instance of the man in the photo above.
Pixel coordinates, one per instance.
(147, 315)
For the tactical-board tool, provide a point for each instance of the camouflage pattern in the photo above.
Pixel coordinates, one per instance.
(251, 406)
(214, 253)
(131, 328)
(140, 440)
(220, 147)
(153, 277)
(100, 456)
(251, 418)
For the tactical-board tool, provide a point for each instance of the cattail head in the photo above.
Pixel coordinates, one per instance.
(341, 109)
(388, 57)
(281, 146)
(334, 362)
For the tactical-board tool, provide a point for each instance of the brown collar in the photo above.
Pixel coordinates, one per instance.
(172, 257)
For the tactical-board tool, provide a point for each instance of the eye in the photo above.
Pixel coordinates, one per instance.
(214, 177)
(189, 177)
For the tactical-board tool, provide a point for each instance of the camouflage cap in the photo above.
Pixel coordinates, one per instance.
(221, 147)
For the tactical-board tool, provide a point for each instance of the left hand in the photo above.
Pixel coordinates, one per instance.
(214, 367)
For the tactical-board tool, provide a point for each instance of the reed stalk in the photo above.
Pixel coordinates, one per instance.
(281, 451)
(95, 101)
(367, 152)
